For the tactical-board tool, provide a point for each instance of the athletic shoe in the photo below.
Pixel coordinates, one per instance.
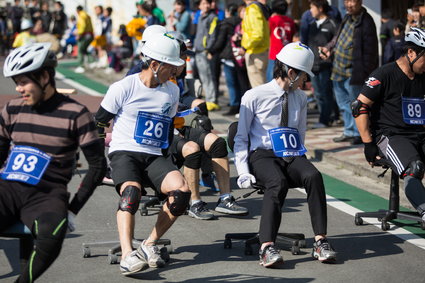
(270, 256)
(211, 106)
(133, 263)
(208, 180)
(323, 251)
(200, 211)
(152, 254)
(228, 205)
(79, 70)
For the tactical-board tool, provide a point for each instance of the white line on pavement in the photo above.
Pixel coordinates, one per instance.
(78, 86)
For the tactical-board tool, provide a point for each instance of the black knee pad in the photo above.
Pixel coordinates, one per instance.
(203, 110)
(415, 169)
(203, 122)
(193, 160)
(218, 149)
(130, 199)
(180, 202)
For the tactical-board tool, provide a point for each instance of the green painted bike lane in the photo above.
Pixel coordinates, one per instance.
(347, 193)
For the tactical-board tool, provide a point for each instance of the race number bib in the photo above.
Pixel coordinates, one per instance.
(413, 111)
(152, 129)
(286, 142)
(26, 164)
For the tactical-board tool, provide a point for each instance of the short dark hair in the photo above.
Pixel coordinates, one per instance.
(410, 45)
(180, 2)
(279, 7)
(37, 75)
(321, 4)
(279, 70)
(79, 8)
(233, 9)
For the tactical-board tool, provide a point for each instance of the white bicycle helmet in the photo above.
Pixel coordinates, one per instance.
(417, 36)
(29, 58)
(163, 48)
(26, 24)
(298, 56)
(148, 33)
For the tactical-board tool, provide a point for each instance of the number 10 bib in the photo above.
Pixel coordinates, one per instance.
(25, 164)
(286, 142)
(152, 129)
(413, 111)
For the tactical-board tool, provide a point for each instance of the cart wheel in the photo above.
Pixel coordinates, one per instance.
(358, 221)
(86, 252)
(295, 250)
(164, 254)
(113, 258)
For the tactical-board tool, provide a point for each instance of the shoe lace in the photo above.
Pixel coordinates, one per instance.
(324, 245)
(271, 250)
(202, 207)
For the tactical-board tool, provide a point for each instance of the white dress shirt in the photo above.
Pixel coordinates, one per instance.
(260, 111)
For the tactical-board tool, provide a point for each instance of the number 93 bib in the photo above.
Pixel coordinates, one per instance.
(413, 111)
(286, 142)
(25, 164)
(152, 129)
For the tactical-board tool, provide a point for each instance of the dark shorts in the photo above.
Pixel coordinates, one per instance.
(400, 150)
(146, 169)
(19, 201)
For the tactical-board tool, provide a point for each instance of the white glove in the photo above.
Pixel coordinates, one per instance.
(246, 180)
(71, 222)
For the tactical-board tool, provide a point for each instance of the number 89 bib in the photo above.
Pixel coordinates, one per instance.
(413, 111)
(26, 164)
(152, 129)
(286, 142)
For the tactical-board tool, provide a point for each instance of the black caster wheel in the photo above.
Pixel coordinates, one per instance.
(423, 225)
(164, 254)
(169, 249)
(143, 211)
(248, 250)
(86, 252)
(358, 221)
(112, 258)
(302, 244)
(295, 250)
(227, 244)
(385, 226)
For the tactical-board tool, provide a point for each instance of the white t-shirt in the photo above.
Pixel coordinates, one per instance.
(129, 96)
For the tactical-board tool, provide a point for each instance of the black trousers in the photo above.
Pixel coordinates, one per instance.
(277, 177)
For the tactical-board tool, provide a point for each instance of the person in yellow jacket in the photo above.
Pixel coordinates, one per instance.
(84, 37)
(25, 36)
(255, 41)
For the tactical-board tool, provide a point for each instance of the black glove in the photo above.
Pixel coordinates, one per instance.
(371, 150)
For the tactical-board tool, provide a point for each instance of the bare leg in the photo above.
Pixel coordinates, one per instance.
(125, 223)
(191, 175)
(220, 166)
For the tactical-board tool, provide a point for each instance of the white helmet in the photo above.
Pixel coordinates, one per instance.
(29, 58)
(417, 36)
(298, 56)
(26, 24)
(163, 48)
(148, 33)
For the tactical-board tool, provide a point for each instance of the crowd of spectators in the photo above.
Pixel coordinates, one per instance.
(241, 40)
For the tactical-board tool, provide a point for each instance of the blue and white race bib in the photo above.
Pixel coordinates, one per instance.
(286, 142)
(26, 164)
(413, 110)
(152, 129)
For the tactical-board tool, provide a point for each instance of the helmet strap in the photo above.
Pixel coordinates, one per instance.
(419, 55)
(155, 73)
(43, 89)
(292, 81)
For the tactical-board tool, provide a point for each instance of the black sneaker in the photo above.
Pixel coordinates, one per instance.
(228, 205)
(199, 210)
(323, 251)
(343, 138)
(270, 256)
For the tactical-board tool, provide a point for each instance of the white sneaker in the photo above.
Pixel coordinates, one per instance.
(109, 71)
(93, 65)
(152, 254)
(133, 263)
(79, 70)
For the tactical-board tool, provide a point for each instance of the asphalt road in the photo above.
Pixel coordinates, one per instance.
(365, 253)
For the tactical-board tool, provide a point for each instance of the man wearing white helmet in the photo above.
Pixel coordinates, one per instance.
(269, 144)
(389, 114)
(45, 129)
(142, 106)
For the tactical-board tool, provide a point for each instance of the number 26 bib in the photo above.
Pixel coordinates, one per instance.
(26, 164)
(152, 129)
(413, 111)
(286, 142)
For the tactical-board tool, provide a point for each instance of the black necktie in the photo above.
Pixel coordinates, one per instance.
(284, 118)
(284, 114)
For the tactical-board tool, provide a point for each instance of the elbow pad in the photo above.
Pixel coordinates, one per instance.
(358, 108)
